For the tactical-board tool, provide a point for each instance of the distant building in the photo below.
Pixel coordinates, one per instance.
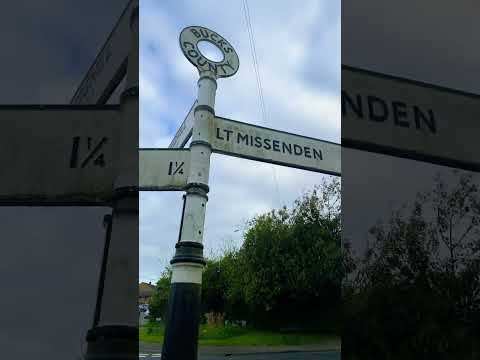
(145, 292)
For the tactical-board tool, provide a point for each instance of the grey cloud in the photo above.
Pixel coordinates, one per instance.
(322, 70)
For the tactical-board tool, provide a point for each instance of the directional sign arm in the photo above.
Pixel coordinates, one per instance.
(163, 169)
(254, 142)
(184, 132)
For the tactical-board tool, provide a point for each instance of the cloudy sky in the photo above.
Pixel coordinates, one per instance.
(298, 51)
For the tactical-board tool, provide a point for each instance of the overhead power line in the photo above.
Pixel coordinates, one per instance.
(256, 68)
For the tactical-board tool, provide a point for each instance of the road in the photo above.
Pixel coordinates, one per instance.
(310, 355)
(315, 355)
(319, 355)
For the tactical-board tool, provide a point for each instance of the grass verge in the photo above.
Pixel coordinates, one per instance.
(152, 333)
(237, 336)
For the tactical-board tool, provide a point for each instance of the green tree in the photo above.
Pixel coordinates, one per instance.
(214, 287)
(158, 305)
(416, 295)
(289, 268)
(220, 283)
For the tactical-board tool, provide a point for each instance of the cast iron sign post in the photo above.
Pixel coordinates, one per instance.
(215, 134)
(181, 332)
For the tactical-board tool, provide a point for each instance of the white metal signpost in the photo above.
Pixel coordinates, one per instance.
(216, 134)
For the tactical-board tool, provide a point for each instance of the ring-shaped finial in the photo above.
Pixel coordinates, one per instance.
(189, 39)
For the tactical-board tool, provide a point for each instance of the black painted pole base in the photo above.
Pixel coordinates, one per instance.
(112, 342)
(182, 323)
(181, 332)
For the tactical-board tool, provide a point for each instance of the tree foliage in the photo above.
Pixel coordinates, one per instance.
(158, 305)
(416, 294)
(288, 271)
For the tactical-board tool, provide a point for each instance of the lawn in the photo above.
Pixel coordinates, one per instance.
(237, 336)
(152, 333)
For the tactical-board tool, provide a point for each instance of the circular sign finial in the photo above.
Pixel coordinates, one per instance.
(189, 39)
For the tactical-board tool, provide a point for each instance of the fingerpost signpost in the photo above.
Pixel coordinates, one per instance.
(210, 133)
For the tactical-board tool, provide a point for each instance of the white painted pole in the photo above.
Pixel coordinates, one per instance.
(181, 333)
(116, 333)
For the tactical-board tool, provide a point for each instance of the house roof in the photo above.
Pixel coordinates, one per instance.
(145, 289)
